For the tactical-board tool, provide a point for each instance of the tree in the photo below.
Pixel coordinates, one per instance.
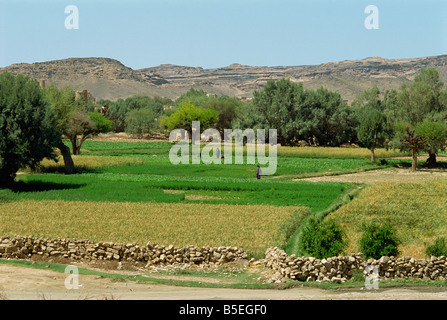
(423, 100)
(186, 113)
(74, 121)
(140, 121)
(329, 120)
(28, 126)
(63, 103)
(407, 138)
(370, 131)
(320, 117)
(435, 136)
(372, 122)
(277, 106)
(228, 108)
(82, 126)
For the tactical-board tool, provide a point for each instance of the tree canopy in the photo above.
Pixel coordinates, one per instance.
(28, 126)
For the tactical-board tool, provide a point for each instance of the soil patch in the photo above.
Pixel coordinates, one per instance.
(385, 175)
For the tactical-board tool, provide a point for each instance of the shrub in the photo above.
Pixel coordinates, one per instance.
(378, 241)
(439, 248)
(322, 239)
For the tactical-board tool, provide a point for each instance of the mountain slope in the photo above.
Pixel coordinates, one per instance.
(110, 79)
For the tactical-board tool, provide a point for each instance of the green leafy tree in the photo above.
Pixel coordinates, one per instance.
(116, 111)
(185, 114)
(320, 117)
(328, 118)
(422, 100)
(277, 107)
(372, 130)
(83, 126)
(140, 121)
(63, 102)
(408, 139)
(28, 126)
(434, 134)
(74, 120)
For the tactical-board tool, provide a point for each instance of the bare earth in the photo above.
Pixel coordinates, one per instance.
(385, 175)
(20, 283)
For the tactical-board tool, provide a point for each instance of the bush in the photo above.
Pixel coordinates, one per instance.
(439, 248)
(322, 239)
(378, 241)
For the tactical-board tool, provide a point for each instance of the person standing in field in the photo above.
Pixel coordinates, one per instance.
(217, 153)
(258, 172)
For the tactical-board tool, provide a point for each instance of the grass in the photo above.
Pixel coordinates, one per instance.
(134, 187)
(417, 211)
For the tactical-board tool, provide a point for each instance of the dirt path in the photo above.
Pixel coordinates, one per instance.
(20, 283)
(385, 175)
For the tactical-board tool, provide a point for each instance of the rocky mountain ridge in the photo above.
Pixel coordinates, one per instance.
(110, 79)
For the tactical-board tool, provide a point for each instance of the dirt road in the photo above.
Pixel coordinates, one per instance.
(20, 283)
(385, 175)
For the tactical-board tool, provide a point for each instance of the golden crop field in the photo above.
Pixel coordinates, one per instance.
(416, 210)
(251, 227)
(89, 162)
(337, 152)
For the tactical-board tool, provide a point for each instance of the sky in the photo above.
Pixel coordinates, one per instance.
(217, 33)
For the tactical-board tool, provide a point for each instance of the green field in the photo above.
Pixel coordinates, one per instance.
(130, 192)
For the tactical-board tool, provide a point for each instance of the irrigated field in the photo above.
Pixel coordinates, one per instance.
(130, 192)
(416, 210)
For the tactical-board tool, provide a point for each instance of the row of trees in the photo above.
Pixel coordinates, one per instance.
(33, 120)
(413, 118)
(142, 114)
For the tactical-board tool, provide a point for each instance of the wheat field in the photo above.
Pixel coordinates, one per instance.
(251, 227)
(417, 211)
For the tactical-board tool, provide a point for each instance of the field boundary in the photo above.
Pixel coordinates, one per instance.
(348, 195)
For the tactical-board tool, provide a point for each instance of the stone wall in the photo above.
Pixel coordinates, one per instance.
(335, 269)
(341, 268)
(87, 251)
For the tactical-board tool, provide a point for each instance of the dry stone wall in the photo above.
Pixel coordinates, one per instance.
(335, 269)
(85, 250)
(341, 268)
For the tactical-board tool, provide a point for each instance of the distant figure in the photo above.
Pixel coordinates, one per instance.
(258, 173)
(217, 153)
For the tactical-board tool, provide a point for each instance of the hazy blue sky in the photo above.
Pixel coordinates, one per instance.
(216, 33)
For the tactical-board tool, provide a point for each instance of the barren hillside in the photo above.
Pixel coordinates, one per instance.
(109, 78)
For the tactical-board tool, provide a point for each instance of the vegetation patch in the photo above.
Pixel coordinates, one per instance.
(251, 227)
(417, 211)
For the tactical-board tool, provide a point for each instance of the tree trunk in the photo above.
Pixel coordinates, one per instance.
(414, 162)
(431, 161)
(68, 161)
(74, 146)
(373, 156)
